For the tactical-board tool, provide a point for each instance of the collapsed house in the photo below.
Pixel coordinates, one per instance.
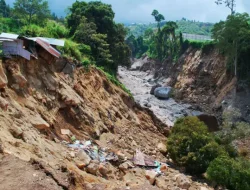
(36, 47)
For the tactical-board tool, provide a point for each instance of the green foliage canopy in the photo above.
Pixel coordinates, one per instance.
(192, 146)
(35, 11)
(233, 38)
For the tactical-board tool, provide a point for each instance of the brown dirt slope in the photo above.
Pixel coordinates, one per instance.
(37, 100)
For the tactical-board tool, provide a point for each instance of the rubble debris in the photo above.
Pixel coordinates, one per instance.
(95, 153)
(141, 159)
(151, 176)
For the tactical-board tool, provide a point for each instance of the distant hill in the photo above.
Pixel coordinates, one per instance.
(185, 26)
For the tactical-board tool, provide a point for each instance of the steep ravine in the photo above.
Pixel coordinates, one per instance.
(199, 77)
(45, 107)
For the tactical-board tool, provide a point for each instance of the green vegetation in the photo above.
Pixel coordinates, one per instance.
(113, 79)
(184, 26)
(233, 39)
(192, 146)
(35, 11)
(90, 33)
(93, 24)
(159, 44)
(229, 172)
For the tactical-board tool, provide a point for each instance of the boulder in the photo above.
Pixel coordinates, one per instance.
(182, 181)
(39, 123)
(3, 78)
(83, 157)
(3, 104)
(162, 148)
(210, 120)
(153, 88)
(126, 165)
(92, 168)
(151, 176)
(162, 92)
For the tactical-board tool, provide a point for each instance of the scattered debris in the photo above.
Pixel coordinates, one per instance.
(65, 132)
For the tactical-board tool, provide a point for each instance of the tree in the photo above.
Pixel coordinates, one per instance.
(32, 11)
(231, 4)
(232, 37)
(4, 9)
(190, 145)
(158, 18)
(101, 16)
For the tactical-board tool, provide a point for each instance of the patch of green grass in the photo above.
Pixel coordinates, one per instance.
(115, 81)
(205, 46)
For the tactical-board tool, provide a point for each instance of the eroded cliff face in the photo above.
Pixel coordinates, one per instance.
(38, 100)
(199, 77)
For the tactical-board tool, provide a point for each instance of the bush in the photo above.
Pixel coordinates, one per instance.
(234, 174)
(192, 146)
(51, 29)
(205, 46)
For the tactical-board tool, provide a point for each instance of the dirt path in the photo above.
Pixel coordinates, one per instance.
(140, 84)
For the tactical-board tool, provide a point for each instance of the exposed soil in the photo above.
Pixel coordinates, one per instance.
(20, 175)
(37, 101)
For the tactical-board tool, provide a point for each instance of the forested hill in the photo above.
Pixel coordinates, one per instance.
(184, 26)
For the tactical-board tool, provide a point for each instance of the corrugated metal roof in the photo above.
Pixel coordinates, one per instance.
(46, 45)
(55, 42)
(5, 40)
(9, 36)
(51, 41)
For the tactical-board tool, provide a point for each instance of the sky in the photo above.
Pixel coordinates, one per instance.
(139, 11)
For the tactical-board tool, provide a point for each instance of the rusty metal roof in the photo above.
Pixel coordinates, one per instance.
(46, 45)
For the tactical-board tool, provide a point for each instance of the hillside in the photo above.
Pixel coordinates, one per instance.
(184, 26)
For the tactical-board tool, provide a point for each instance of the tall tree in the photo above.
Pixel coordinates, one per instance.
(4, 9)
(231, 4)
(232, 37)
(102, 16)
(158, 18)
(32, 11)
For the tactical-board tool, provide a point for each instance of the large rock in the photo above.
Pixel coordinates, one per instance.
(83, 157)
(153, 88)
(210, 120)
(162, 148)
(92, 168)
(3, 78)
(162, 92)
(39, 123)
(182, 181)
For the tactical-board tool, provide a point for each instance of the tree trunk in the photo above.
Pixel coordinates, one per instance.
(236, 61)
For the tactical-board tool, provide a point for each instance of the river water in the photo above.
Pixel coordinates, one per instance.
(140, 84)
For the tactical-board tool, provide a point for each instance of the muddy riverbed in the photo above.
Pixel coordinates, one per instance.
(140, 84)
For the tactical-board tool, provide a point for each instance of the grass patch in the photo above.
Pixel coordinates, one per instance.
(115, 81)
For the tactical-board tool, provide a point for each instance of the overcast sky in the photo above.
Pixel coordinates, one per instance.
(140, 10)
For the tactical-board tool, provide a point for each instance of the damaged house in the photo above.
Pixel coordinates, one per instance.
(38, 47)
